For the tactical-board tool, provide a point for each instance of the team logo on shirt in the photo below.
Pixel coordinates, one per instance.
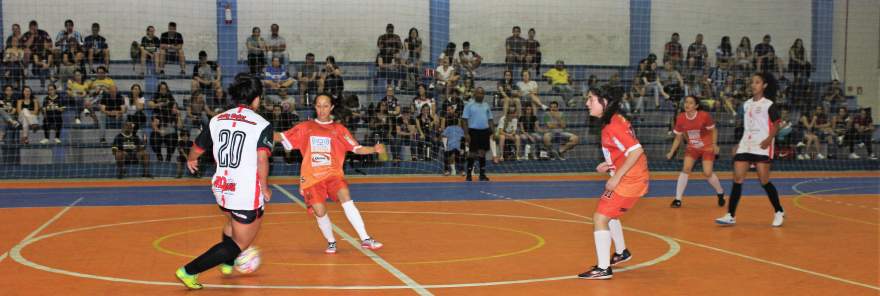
(320, 144)
(320, 159)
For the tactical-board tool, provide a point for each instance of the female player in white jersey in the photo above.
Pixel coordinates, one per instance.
(760, 123)
(241, 142)
(698, 129)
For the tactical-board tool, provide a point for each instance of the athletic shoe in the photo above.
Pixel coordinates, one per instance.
(371, 244)
(801, 157)
(596, 273)
(873, 157)
(800, 144)
(853, 156)
(226, 269)
(468, 177)
(57, 141)
(484, 178)
(620, 258)
(727, 220)
(331, 248)
(190, 281)
(862, 145)
(820, 156)
(44, 141)
(77, 121)
(675, 203)
(721, 199)
(778, 218)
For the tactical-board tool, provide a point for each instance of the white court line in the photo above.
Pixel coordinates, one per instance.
(372, 255)
(34, 233)
(822, 275)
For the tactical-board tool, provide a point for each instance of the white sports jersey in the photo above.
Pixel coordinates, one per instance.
(758, 116)
(234, 137)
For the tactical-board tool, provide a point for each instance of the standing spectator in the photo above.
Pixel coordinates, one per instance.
(389, 44)
(469, 60)
(514, 48)
(35, 40)
(331, 81)
(52, 110)
(97, 48)
(413, 44)
(797, 60)
(28, 110)
(78, 93)
(8, 110)
(561, 83)
(863, 131)
(529, 89)
(533, 52)
(276, 76)
(427, 124)
(149, 49)
(724, 53)
(276, 46)
(206, 77)
(112, 108)
(452, 135)
(171, 49)
(134, 106)
(765, 57)
(744, 57)
(477, 118)
(128, 149)
(256, 48)
(407, 134)
(67, 39)
(672, 51)
(697, 54)
(556, 124)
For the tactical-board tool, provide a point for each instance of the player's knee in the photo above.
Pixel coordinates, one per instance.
(707, 174)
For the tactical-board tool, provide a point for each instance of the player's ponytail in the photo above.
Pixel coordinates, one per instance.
(245, 88)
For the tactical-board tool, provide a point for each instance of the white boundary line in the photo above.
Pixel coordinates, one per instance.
(51, 220)
(756, 259)
(369, 253)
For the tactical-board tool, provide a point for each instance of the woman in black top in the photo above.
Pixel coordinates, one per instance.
(797, 61)
(28, 111)
(427, 123)
(331, 79)
(52, 110)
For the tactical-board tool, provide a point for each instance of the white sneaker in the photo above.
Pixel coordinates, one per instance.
(873, 157)
(57, 141)
(44, 141)
(820, 156)
(862, 145)
(726, 220)
(778, 218)
(77, 121)
(800, 144)
(853, 156)
(801, 157)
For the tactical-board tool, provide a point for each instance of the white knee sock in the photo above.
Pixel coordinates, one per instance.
(617, 235)
(713, 180)
(326, 228)
(681, 185)
(354, 217)
(603, 244)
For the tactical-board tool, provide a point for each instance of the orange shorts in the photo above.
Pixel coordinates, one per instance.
(704, 153)
(327, 188)
(613, 205)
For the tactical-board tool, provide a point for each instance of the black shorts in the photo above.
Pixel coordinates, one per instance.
(244, 216)
(480, 139)
(752, 158)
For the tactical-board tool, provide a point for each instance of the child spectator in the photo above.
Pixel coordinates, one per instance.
(52, 110)
(452, 135)
(183, 146)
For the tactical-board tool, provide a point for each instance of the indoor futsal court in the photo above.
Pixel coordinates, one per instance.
(439, 147)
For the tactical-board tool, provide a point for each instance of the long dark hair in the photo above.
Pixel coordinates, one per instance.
(725, 46)
(798, 48)
(772, 86)
(746, 43)
(611, 102)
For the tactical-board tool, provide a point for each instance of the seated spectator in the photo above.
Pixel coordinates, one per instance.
(35, 40)
(673, 83)
(8, 115)
(14, 59)
(276, 46)
(428, 126)
(407, 134)
(276, 76)
(149, 49)
(256, 48)
(515, 51)
(422, 100)
(162, 98)
(744, 58)
(103, 84)
(469, 60)
(833, 96)
(128, 149)
(171, 49)
(724, 54)
(561, 83)
(672, 51)
(797, 60)
(532, 57)
(96, 46)
(134, 107)
(452, 136)
(413, 45)
(650, 79)
(816, 127)
(331, 81)
(389, 44)
(455, 102)
(697, 54)
(729, 95)
(308, 78)
(707, 94)
(530, 132)
(766, 59)
(445, 78)
(381, 125)
(166, 122)
(280, 98)
(42, 63)
(67, 65)
(28, 110)
(637, 93)
(52, 111)
(466, 89)
(529, 90)
(14, 42)
(206, 77)
(282, 119)
(184, 144)
(556, 123)
(841, 130)
(508, 128)
(391, 102)
(66, 39)
(112, 111)
(78, 93)
(198, 113)
(863, 131)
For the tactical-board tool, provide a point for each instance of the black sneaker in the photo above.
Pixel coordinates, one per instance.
(468, 177)
(484, 178)
(721, 199)
(620, 258)
(675, 203)
(597, 273)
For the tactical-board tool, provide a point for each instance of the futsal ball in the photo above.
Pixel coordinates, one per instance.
(248, 261)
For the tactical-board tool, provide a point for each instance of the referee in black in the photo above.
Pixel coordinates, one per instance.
(477, 116)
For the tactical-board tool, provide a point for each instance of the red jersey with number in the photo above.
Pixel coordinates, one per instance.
(618, 140)
(698, 129)
(323, 147)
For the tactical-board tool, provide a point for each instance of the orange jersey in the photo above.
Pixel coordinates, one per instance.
(698, 129)
(323, 147)
(618, 140)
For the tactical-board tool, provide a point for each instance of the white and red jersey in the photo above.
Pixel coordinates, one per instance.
(698, 129)
(618, 140)
(323, 146)
(758, 118)
(235, 137)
